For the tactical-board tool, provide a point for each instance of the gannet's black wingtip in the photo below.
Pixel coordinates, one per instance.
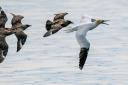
(80, 67)
(82, 57)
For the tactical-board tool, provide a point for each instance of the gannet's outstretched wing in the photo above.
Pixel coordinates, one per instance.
(75, 27)
(82, 57)
(84, 45)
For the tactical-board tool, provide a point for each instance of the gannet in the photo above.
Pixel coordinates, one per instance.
(81, 32)
(3, 18)
(20, 35)
(4, 32)
(58, 23)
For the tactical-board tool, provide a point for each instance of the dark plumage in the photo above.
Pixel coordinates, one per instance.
(20, 35)
(56, 26)
(3, 18)
(4, 32)
(59, 16)
(16, 20)
(82, 57)
(48, 25)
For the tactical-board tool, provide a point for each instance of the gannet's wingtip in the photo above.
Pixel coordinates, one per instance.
(82, 57)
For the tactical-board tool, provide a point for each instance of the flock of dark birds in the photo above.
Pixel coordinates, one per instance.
(52, 27)
(17, 29)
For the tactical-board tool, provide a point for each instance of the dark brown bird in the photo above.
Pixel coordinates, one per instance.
(3, 18)
(56, 26)
(59, 16)
(58, 23)
(20, 35)
(4, 32)
(16, 20)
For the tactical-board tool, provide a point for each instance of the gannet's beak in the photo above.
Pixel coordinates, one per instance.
(104, 22)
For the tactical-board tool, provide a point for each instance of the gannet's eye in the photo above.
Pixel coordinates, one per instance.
(93, 20)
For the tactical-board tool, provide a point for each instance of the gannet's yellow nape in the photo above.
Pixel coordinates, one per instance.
(99, 21)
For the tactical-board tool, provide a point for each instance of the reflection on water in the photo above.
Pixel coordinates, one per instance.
(54, 60)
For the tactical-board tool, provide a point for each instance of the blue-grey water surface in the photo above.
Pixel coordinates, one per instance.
(54, 60)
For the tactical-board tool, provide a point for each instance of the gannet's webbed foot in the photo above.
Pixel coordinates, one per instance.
(82, 57)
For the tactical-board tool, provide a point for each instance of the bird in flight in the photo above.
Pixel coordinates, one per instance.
(4, 32)
(81, 32)
(58, 23)
(19, 33)
(3, 18)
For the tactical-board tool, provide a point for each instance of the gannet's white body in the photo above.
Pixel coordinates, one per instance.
(81, 32)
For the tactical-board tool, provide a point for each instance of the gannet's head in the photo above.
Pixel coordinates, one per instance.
(99, 21)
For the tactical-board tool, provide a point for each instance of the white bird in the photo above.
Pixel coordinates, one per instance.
(81, 32)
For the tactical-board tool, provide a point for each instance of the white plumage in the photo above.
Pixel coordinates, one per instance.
(81, 32)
